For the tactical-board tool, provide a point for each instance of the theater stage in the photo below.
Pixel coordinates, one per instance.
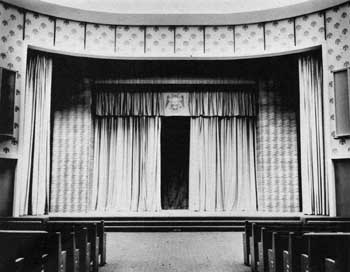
(179, 220)
(178, 213)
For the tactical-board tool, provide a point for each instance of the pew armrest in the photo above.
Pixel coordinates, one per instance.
(245, 249)
(19, 265)
(304, 263)
(63, 262)
(260, 261)
(330, 265)
(271, 260)
(285, 261)
(76, 260)
(103, 250)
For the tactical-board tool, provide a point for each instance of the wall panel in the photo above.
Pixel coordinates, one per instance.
(160, 41)
(219, 40)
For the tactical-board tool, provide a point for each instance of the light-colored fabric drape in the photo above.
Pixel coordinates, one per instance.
(32, 179)
(126, 173)
(222, 164)
(314, 180)
(129, 104)
(200, 103)
(235, 103)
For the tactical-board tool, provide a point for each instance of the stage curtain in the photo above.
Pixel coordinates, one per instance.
(233, 103)
(198, 103)
(115, 103)
(314, 181)
(33, 175)
(126, 174)
(222, 164)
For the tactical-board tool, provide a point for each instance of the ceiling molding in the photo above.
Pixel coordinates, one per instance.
(126, 18)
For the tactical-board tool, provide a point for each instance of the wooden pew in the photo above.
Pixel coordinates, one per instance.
(269, 246)
(255, 238)
(84, 248)
(22, 225)
(80, 236)
(24, 218)
(92, 237)
(274, 239)
(30, 251)
(282, 244)
(323, 246)
(296, 257)
(247, 234)
(288, 248)
(275, 255)
(39, 225)
(101, 234)
(69, 244)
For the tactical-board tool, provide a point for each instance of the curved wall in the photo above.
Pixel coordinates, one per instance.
(329, 27)
(175, 12)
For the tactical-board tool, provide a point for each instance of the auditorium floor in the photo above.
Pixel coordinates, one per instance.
(175, 251)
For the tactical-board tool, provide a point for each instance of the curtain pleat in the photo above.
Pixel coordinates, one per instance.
(222, 164)
(314, 179)
(229, 103)
(126, 164)
(32, 180)
(234, 103)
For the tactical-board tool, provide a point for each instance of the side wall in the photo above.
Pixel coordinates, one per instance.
(330, 27)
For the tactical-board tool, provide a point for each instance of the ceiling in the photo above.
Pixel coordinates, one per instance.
(175, 12)
(175, 6)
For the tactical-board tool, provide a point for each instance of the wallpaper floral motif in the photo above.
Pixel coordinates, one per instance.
(130, 40)
(219, 40)
(39, 29)
(309, 29)
(11, 57)
(100, 38)
(189, 41)
(70, 35)
(279, 35)
(160, 41)
(249, 39)
(331, 27)
(338, 56)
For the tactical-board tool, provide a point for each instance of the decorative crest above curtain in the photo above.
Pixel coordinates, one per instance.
(202, 103)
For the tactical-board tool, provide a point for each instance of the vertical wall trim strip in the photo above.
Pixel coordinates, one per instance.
(54, 31)
(325, 24)
(174, 39)
(85, 24)
(234, 38)
(24, 24)
(144, 38)
(204, 39)
(115, 39)
(295, 32)
(264, 36)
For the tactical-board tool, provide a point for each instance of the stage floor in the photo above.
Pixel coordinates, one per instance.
(179, 213)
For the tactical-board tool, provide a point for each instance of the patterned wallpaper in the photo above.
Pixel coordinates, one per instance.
(279, 34)
(160, 41)
(338, 56)
(71, 148)
(11, 46)
(330, 26)
(277, 150)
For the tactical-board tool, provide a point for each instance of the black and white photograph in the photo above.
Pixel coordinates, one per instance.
(174, 136)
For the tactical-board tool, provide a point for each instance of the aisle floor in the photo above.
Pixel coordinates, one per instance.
(175, 251)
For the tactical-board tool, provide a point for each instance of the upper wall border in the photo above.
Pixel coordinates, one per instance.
(175, 19)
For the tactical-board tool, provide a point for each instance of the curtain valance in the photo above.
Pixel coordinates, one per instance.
(222, 103)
